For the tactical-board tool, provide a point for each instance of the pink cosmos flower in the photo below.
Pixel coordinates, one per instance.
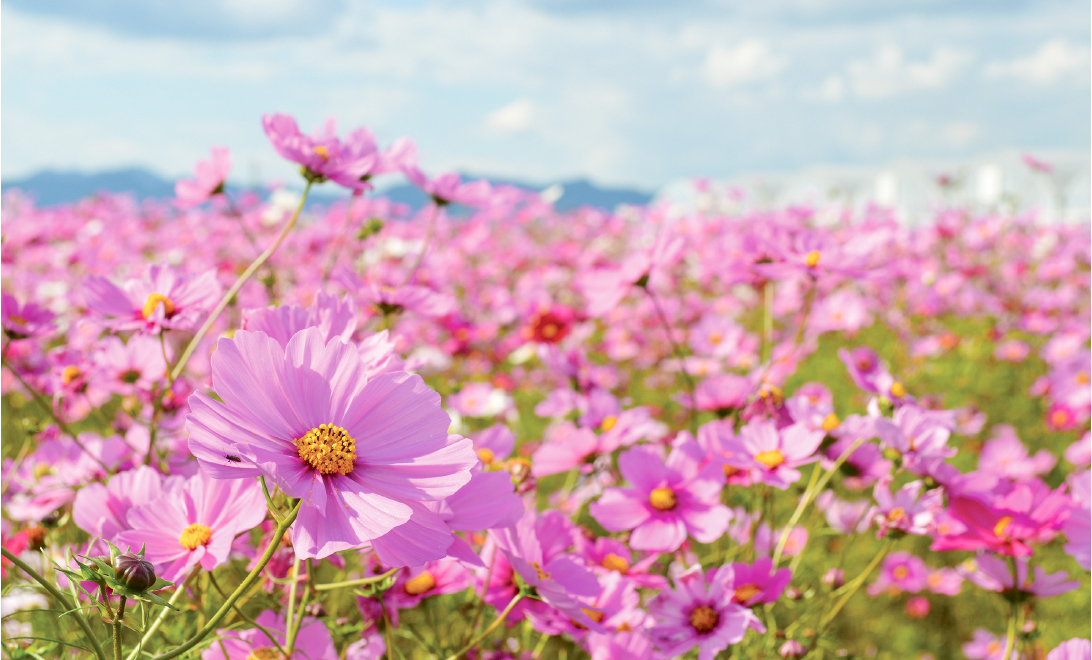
(758, 582)
(1029, 514)
(992, 573)
(322, 155)
(607, 555)
(487, 501)
(766, 540)
(391, 300)
(102, 510)
(364, 454)
(1012, 350)
(985, 646)
(1005, 456)
(208, 180)
(701, 613)
(919, 435)
(917, 607)
(722, 393)
(335, 317)
(668, 500)
(313, 641)
(168, 298)
(1078, 529)
(448, 188)
(844, 517)
(478, 399)
(22, 321)
(132, 367)
(605, 288)
(947, 581)
(412, 585)
(772, 455)
(901, 571)
(715, 437)
(494, 444)
(909, 510)
(194, 523)
(1074, 649)
(1080, 452)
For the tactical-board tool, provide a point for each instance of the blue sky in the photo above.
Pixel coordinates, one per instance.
(625, 92)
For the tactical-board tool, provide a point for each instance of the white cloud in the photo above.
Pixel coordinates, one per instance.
(888, 73)
(749, 61)
(516, 117)
(1056, 59)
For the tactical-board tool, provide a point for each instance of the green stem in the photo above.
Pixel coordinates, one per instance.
(243, 586)
(500, 619)
(1010, 639)
(118, 653)
(691, 414)
(61, 598)
(852, 587)
(424, 248)
(262, 629)
(294, 625)
(767, 321)
(179, 590)
(255, 265)
(355, 583)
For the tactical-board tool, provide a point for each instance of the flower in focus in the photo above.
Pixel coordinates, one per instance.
(364, 454)
(208, 179)
(168, 298)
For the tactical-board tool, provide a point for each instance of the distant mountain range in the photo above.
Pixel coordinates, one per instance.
(51, 187)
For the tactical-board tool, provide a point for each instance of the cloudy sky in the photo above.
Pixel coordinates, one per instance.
(633, 92)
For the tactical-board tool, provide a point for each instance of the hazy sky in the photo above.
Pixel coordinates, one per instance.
(626, 92)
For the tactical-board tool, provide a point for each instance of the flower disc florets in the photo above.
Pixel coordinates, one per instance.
(328, 448)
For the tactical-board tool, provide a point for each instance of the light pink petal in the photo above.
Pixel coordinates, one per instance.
(424, 538)
(659, 534)
(644, 468)
(620, 509)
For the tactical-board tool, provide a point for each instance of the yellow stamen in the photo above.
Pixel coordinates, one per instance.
(896, 514)
(1082, 377)
(900, 572)
(593, 615)
(17, 319)
(613, 562)
(328, 448)
(322, 152)
(70, 374)
(715, 338)
(486, 455)
(812, 259)
(1059, 417)
(731, 471)
(195, 535)
(42, 469)
(771, 459)
(155, 300)
(420, 584)
(703, 619)
(549, 331)
(608, 423)
(1001, 526)
(831, 422)
(662, 499)
(746, 592)
(898, 390)
(542, 575)
(264, 653)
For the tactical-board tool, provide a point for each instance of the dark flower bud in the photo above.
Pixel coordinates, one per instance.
(315, 609)
(36, 537)
(136, 573)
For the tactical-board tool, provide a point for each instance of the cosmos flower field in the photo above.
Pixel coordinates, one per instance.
(236, 427)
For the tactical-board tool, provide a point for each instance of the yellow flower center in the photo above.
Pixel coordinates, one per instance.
(613, 562)
(17, 319)
(900, 572)
(328, 449)
(549, 331)
(898, 390)
(770, 459)
(322, 152)
(608, 423)
(731, 470)
(42, 469)
(1001, 526)
(1082, 377)
(1059, 417)
(594, 615)
(703, 619)
(831, 422)
(70, 374)
(896, 514)
(542, 575)
(993, 648)
(155, 300)
(264, 653)
(420, 584)
(812, 259)
(745, 592)
(715, 338)
(195, 535)
(486, 455)
(662, 499)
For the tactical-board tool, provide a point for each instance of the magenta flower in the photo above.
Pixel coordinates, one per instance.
(335, 317)
(321, 155)
(412, 585)
(758, 583)
(194, 523)
(1030, 514)
(901, 571)
(668, 500)
(909, 510)
(1074, 649)
(313, 641)
(364, 454)
(1005, 456)
(772, 455)
(448, 188)
(992, 573)
(208, 179)
(167, 299)
(494, 444)
(701, 613)
(985, 646)
(22, 321)
(1078, 529)
(102, 510)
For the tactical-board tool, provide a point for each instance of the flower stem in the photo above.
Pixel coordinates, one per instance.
(243, 586)
(118, 654)
(61, 598)
(500, 619)
(852, 587)
(226, 299)
(1010, 639)
(691, 417)
(424, 248)
(355, 583)
(163, 614)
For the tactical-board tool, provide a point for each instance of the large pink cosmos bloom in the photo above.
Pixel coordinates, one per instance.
(364, 454)
(208, 179)
(167, 298)
(102, 509)
(195, 523)
(700, 613)
(668, 500)
(772, 455)
(335, 317)
(1030, 513)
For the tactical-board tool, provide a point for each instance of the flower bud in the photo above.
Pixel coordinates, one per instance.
(793, 649)
(315, 609)
(136, 573)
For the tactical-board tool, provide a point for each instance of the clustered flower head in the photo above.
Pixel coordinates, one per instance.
(644, 433)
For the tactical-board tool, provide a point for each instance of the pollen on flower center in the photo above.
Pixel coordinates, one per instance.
(613, 562)
(770, 459)
(662, 499)
(486, 455)
(898, 390)
(1001, 526)
(704, 619)
(17, 319)
(195, 535)
(264, 653)
(745, 592)
(153, 301)
(328, 449)
(70, 374)
(831, 422)
(608, 423)
(812, 259)
(901, 572)
(898, 513)
(322, 152)
(542, 575)
(422, 583)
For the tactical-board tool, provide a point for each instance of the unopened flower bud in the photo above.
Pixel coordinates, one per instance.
(315, 609)
(36, 537)
(834, 577)
(917, 607)
(793, 649)
(136, 573)
(792, 593)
